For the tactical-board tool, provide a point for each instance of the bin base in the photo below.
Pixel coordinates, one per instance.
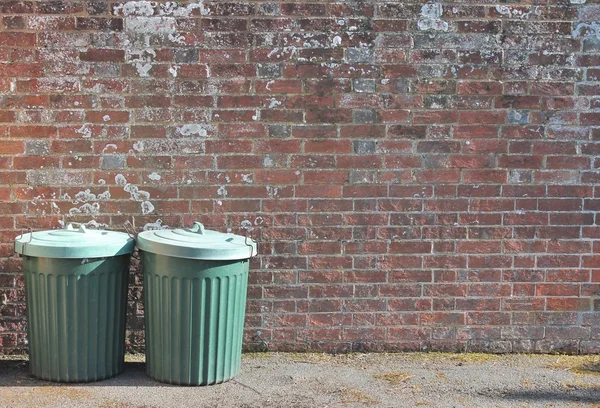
(190, 383)
(77, 380)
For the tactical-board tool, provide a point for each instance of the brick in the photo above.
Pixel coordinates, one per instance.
(103, 55)
(17, 39)
(269, 70)
(13, 22)
(325, 177)
(327, 146)
(107, 116)
(364, 85)
(98, 23)
(20, 69)
(482, 117)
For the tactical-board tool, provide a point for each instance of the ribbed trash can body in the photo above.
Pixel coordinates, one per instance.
(76, 303)
(76, 317)
(194, 307)
(194, 312)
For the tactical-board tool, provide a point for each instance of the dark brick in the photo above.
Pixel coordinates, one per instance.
(186, 55)
(268, 9)
(364, 85)
(281, 131)
(359, 55)
(365, 116)
(110, 162)
(269, 70)
(364, 146)
(518, 117)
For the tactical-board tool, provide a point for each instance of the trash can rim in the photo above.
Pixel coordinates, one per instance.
(74, 243)
(197, 242)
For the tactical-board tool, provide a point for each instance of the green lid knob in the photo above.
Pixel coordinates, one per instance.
(81, 229)
(198, 228)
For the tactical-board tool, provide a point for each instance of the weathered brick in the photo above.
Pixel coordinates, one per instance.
(280, 131)
(451, 172)
(103, 55)
(364, 85)
(186, 55)
(269, 70)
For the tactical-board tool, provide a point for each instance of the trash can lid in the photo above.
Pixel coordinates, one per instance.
(197, 243)
(74, 243)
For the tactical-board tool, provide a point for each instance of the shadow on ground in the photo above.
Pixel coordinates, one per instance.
(15, 373)
(584, 394)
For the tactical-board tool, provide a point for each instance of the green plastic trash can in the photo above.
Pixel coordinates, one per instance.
(195, 284)
(76, 291)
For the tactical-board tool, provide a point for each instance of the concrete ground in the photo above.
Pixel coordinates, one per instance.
(319, 380)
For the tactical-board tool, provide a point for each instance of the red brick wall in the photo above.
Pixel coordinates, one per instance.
(419, 176)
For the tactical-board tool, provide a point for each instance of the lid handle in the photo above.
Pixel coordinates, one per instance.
(69, 226)
(198, 228)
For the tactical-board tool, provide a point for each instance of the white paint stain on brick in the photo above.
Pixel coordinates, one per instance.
(272, 191)
(109, 147)
(120, 180)
(222, 191)
(134, 8)
(514, 12)
(84, 197)
(173, 8)
(515, 177)
(84, 131)
(89, 201)
(104, 196)
(431, 18)
(151, 25)
(147, 207)
(141, 18)
(138, 146)
(192, 129)
(136, 194)
(274, 103)
(87, 209)
(173, 70)
(143, 69)
(246, 225)
(93, 224)
(589, 30)
(268, 161)
(154, 176)
(106, 118)
(153, 226)
(176, 38)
